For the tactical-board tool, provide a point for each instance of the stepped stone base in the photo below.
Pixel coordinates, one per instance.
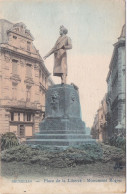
(62, 125)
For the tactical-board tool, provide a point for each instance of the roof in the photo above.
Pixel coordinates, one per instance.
(120, 42)
(123, 32)
(4, 20)
(21, 29)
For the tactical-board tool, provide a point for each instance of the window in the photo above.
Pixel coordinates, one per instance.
(45, 82)
(40, 74)
(23, 116)
(43, 78)
(15, 37)
(28, 116)
(18, 116)
(28, 70)
(115, 80)
(12, 116)
(14, 92)
(14, 66)
(17, 29)
(28, 94)
(21, 130)
(28, 46)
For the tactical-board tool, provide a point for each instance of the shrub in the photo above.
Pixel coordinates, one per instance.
(72, 156)
(118, 141)
(112, 153)
(8, 140)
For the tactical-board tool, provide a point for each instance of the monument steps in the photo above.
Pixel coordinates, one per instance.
(59, 142)
(62, 132)
(61, 136)
(61, 126)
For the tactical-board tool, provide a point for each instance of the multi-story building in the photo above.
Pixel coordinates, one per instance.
(116, 87)
(110, 117)
(99, 128)
(102, 112)
(24, 80)
(95, 128)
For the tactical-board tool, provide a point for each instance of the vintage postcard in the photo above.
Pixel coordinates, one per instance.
(62, 96)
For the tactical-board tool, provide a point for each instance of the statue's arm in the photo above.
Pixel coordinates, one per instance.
(69, 45)
(49, 53)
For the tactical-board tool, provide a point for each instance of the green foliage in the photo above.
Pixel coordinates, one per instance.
(112, 153)
(118, 141)
(60, 158)
(8, 140)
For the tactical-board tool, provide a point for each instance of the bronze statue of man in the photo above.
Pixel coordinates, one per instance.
(60, 55)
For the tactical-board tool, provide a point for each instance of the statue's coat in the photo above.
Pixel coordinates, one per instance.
(60, 55)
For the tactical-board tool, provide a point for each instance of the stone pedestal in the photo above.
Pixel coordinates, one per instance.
(62, 125)
(62, 109)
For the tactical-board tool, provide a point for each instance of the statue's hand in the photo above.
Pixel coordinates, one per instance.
(44, 57)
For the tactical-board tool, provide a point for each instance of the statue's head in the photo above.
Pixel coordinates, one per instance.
(63, 30)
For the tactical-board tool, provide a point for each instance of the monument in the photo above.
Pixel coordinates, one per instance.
(63, 125)
(60, 56)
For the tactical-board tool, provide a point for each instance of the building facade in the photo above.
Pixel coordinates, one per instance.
(110, 117)
(24, 80)
(99, 128)
(95, 127)
(116, 88)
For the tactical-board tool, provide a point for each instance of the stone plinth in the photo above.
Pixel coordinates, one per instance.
(62, 101)
(62, 125)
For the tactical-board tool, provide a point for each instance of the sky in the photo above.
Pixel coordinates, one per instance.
(93, 26)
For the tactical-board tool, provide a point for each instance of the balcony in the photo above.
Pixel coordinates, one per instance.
(15, 78)
(21, 104)
(21, 52)
(29, 81)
